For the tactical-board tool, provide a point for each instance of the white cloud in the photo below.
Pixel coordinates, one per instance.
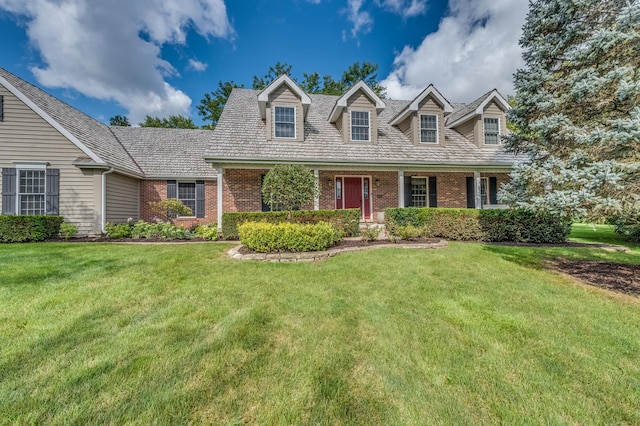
(362, 21)
(196, 65)
(474, 50)
(404, 8)
(96, 47)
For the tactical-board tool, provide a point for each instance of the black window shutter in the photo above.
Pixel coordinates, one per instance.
(408, 199)
(199, 198)
(493, 190)
(172, 189)
(471, 193)
(1, 108)
(52, 192)
(433, 192)
(8, 191)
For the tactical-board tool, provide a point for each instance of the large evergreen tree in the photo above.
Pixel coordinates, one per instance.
(577, 114)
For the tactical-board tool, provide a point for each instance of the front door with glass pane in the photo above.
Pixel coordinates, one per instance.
(354, 193)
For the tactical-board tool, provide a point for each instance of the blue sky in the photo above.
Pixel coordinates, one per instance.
(159, 57)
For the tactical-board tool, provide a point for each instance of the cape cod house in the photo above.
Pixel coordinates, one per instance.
(365, 151)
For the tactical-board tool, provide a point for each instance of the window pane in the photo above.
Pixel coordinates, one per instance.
(419, 192)
(285, 122)
(491, 131)
(359, 125)
(187, 194)
(428, 129)
(32, 192)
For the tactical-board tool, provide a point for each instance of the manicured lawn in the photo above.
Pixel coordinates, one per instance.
(173, 334)
(583, 232)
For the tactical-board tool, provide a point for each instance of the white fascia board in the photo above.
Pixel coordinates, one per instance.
(495, 95)
(263, 97)
(415, 104)
(46, 117)
(342, 101)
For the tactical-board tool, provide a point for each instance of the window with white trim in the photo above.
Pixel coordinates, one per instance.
(419, 194)
(187, 194)
(428, 128)
(491, 131)
(484, 191)
(284, 122)
(31, 192)
(360, 126)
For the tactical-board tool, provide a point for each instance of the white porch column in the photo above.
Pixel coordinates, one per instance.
(219, 184)
(478, 186)
(401, 188)
(316, 197)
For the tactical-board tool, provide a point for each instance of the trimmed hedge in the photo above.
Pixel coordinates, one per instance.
(22, 229)
(514, 225)
(345, 221)
(265, 237)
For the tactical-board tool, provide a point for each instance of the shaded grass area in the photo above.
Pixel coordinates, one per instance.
(588, 233)
(175, 334)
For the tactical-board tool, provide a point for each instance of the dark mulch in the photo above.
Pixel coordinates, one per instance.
(620, 277)
(361, 243)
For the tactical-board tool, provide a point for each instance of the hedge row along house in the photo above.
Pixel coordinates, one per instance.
(365, 152)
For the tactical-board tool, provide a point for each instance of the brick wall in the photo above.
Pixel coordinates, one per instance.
(242, 188)
(156, 190)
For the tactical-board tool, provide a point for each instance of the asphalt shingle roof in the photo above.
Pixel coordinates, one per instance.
(167, 152)
(463, 109)
(94, 135)
(240, 135)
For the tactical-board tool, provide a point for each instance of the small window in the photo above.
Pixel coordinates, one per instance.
(428, 128)
(419, 192)
(491, 131)
(187, 194)
(285, 122)
(360, 125)
(31, 192)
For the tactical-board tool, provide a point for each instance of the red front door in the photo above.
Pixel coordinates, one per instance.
(356, 195)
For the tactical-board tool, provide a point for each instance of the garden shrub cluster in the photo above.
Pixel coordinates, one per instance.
(345, 221)
(514, 225)
(207, 232)
(142, 229)
(266, 237)
(628, 227)
(20, 229)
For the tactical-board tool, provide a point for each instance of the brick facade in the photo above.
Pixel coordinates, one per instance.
(242, 188)
(156, 190)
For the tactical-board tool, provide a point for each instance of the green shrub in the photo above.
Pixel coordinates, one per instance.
(408, 232)
(20, 229)
(207, 232)
(370, 232)
(516, 225)
(346, 221)
(68, 230)
(118, 230)
(168, 209)
(166, 231)
(628, 227)
(265, 237)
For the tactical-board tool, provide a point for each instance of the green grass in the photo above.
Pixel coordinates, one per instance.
(584, 232)
(175, 334)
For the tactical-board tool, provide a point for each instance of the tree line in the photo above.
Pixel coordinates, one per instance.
(211, 105)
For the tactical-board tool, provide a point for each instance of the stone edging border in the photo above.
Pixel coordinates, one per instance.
(313, 256)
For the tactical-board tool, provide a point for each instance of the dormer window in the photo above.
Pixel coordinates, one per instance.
(360, 126)
(491, 131)
(428, 128)
(285, 122)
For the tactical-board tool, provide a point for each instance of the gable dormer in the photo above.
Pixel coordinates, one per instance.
(483, 121)
(283, 106)
(355, 114)
(422, 121)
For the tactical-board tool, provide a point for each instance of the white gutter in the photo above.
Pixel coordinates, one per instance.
(104, 199)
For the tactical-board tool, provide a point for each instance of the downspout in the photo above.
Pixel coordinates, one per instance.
(103, 218)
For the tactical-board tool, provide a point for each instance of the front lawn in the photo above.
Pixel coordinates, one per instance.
(175, 334)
